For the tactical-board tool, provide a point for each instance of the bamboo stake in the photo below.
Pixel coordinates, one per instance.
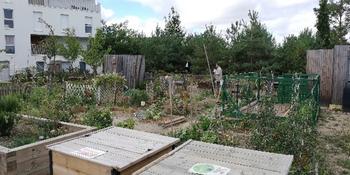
(211, 75)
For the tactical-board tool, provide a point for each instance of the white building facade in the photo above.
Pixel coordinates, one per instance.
(23, 28)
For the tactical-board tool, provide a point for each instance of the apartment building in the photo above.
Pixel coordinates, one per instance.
(23, 27)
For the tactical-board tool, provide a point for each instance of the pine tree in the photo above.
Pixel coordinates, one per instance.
(339, 20)
(323, 25)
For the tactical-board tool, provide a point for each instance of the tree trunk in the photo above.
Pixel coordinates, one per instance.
(95, 70)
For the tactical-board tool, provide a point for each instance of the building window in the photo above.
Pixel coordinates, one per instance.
(82, 66)
(38, 25)
(64, 22)
(8, 18)
(10, 44)
(88, 24)
(40, 66)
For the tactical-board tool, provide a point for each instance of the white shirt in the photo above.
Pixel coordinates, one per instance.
(218, 74)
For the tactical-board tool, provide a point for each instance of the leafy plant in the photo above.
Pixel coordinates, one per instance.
(23, 140)
(154, 112)
(111, 79)
(98, 118)
(95, 51)
(128, 123)
(137, 96)
(9, 106)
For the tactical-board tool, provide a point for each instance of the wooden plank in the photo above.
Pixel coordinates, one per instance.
(321, 62)
(123, 148)
(3, 163)
(340, 75)
(173, 122)
(78, 165)
(131, 66)
(240, 161)
(145, 162)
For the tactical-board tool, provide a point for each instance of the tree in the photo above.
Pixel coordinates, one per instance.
(339, 20)
(291, 55)
(121, 39)
(166, 50)
(173, 24)
(216, 49)
(252, 47)
(95, 52)
(323, 25)
(70, 49)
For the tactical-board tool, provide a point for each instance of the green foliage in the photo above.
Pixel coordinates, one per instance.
(251, 46)
(9, 106)
(339, 21)
(154, 112)
(110, 79)
(292, 53)
(100, 118)
(137, 96)
(204, 130)
(345, 164)
(120, 39)
(323, 25)
(23, 140)
(128, 123)
(248, 46)
(70, 49)
(216, 49)
(169, 44)
(95, 51)
(50, 104)
(294, 135)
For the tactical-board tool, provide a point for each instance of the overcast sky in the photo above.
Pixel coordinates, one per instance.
(282, 17)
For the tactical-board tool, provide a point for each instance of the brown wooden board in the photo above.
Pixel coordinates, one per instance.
(131, 66)
(321, 62)
(123, 150)
(333, 67)
(240, 161)
(34, 158)
(340, 73)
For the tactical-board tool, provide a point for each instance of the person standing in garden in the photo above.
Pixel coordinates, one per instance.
(219, 81)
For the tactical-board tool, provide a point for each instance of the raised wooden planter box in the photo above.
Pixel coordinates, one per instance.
(33, 159)
(111, 151)
(236, 160)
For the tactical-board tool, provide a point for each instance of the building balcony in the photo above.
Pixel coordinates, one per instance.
(83, 5)
(38, 49)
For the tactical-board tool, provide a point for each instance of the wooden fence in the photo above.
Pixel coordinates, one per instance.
(332, 65)
(11, 88)
(131, 66)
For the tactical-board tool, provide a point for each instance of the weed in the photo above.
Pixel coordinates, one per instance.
(136, 96)
(128, 123)
(98, 118)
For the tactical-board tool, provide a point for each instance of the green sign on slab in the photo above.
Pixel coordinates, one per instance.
(208, 169)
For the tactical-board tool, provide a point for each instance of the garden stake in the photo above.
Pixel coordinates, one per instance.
(211, 75)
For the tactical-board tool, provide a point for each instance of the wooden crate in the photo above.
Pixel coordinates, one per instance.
(34, 158)
(239, 161)
(109, 151)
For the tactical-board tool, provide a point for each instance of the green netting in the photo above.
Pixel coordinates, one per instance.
(307, 86)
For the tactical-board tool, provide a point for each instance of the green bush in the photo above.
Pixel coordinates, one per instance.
(23, 140)
(136, 96)
(294, 135)
(9, 106)
(128, 123)
(98, 118)
(110, 80)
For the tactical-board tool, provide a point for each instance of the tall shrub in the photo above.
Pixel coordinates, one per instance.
(9, 106)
